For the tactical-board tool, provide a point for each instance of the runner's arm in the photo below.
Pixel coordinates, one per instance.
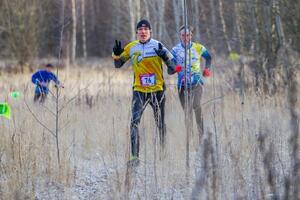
(119, 63)
(207, 58)
(167, 57)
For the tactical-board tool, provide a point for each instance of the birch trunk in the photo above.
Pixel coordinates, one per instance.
(213, 25)
(83, 28)
(224, 25)
(197, 17)
(74, 20)
(161, 20)
(254, 15)
(138, 10)
(177, 12)
(131, 19)
(238, 25)
(146, 9)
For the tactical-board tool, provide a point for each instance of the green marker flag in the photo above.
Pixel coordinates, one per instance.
(15, 95)
(5, 110)
(234, 56)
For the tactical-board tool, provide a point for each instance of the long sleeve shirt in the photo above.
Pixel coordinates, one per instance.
(146, 64)
(194, 53)
(42, 78)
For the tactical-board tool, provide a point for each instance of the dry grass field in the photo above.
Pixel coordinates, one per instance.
(246, 153)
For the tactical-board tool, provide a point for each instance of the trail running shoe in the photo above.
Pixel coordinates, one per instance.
(133, 161)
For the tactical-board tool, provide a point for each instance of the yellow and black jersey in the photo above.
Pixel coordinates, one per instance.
(147, 65)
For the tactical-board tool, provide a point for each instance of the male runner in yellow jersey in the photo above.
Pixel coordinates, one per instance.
(146, 55)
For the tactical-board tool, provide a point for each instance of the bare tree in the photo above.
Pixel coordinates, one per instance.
(74, 24)
(238, 25)
(132, 18)
(83, 28)
(213, 25)
(224, 28)
(177, 10)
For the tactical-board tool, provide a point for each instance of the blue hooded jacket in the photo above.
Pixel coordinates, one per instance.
(42, 79)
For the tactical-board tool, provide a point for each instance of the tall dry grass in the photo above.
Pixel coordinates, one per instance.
(245, 154)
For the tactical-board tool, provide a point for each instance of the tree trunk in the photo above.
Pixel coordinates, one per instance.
(74, 20)
(224, 25)
(178, 12)
(267, 19)
(197, 19)
(138, 10)
(131, 19)
(161, 20)
(83, 29)
(279, 29)
(146, 9)
(254, 11)
(238, 26)
(213, 25)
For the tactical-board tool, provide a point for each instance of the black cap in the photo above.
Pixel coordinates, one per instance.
(189, 28)
(49, 65)
(143, 23)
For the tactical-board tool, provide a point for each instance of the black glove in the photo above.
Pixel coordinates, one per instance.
(161, 52)
(117, 49)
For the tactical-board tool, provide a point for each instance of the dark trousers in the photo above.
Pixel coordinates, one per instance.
(195, 95)
(40, 96)
(139, 102)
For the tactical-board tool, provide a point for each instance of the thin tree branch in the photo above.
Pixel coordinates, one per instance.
(36, 118)
(74, 97)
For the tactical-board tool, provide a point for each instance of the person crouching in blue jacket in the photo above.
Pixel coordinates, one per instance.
(41, 79)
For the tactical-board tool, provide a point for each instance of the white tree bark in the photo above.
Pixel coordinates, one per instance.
(74, 23)
(224, 25)
(238, 24)
(213, 18)
(178, 12)
(138, 10)
(196, 19)
(161, 20)
(146, 9)
(254, 15)
(132, 18)
(83, 28)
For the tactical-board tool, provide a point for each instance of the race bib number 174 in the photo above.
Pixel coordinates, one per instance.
(147, 79)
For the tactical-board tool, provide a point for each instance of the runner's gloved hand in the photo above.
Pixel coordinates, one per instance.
(161, 52)
(117, 49)
(178, 68)
(206, 72)
(59, 86)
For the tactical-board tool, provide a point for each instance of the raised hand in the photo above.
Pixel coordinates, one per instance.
(161, 52)
(117, 49)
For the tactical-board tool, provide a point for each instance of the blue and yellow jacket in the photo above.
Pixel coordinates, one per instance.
(146, 64)
(194, 53)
